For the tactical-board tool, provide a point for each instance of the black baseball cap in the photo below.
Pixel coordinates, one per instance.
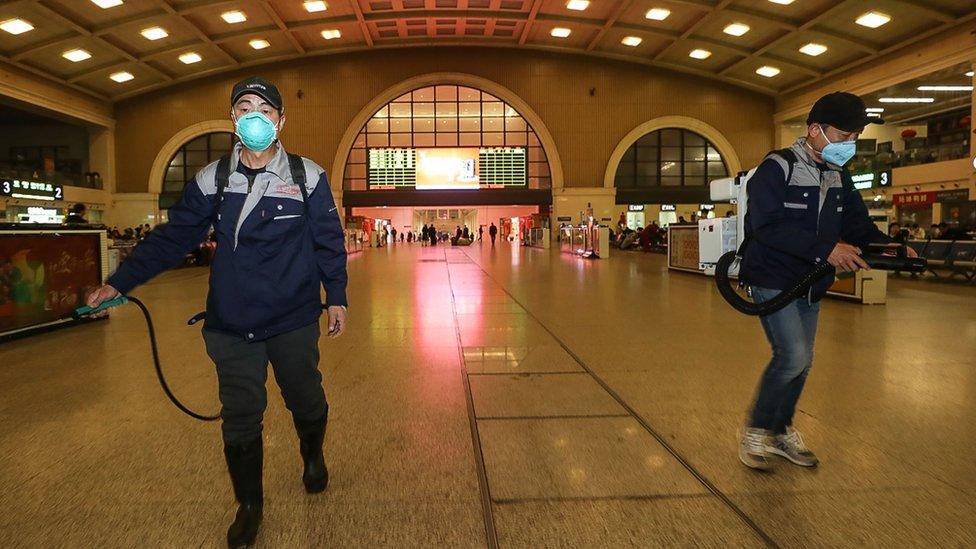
(260, 87)
(842, 110)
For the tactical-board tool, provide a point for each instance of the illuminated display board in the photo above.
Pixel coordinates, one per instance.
(446, 168)
(35, 190)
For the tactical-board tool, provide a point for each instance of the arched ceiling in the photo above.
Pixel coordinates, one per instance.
(207, 34)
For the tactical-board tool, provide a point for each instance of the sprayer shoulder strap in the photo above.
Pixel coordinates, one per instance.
(789, 156)
(295, 165)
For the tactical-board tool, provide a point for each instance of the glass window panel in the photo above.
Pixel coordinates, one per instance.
(360, 141)
(401, 140)
(468, 94)
(469, 124)
(694, 140)
(400, 125)
(516, 139)
(650, 139)
(446, 93)
(622, 182)
(198, 144)
(469, 140)
(515, 124)
(536, 154)
(713, 154)
(423, 125)
(400, 110)
(357, 156)
(177, 159)
(197, 158)
(629, 155)
(647, 168)
(175, 173)
(447, 125)
(424, 94)
(383, 113)
(378, 125)
(694, 154)
(671, 137)
(423, 109)
(648, 181)
(494, 108)
(405, 98)
(646, 154)
(493, 124)
(357, 171)
(671, 181)
(173, 186)
(695, 170)
(423, 140)
(716, 169)
(671, 154)
(495, 139)
(534, 140)
(543, 168)
(671, 168)
(377, 140)
(470, 109)
(448, 110)
(222, 141)
(624, 169)
(447, 140)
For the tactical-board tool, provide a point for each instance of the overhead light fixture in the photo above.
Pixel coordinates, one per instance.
(76, 55)
(782, 2)
(154, 33)
(331, 34)
(122, 76)
(874, 109)
(560, 32)
(259, 43)
(16, 26)
(106, 4)
(945, 88)
(906, 100)
(874, 115)
(700, 54)
(813, 49)
(190, 58)
(767, 71)
(316, 6)
(872, 19)
(736, 29)
(970, 74)
(657, 14)
(234, 17)
(578, 5)
(632, 41)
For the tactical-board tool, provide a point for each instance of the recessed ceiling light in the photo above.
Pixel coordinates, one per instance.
(872, 19)
(782, 2)
(106, 4)
(76, 55)
(122, 76)
(259, 43)
(632, 41)
(970, 74)
(945, 88)
(316, 6)
(906, 100)
(874, 115)
(331, 34)
(190, 58)
(154, 33)
(874, 109)
(16, 26)
(232, 17)
(767, 71)
(578, 5)
(736, 29)
(700, 54)
(560, 32)
(813, 49)
(657, 14)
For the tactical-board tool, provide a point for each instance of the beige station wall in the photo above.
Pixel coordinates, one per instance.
(586, 128)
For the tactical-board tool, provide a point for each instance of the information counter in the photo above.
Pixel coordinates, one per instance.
(45, 273)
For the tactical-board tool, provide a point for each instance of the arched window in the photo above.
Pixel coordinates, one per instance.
(671, 157)
(385, 153)
(189, 159)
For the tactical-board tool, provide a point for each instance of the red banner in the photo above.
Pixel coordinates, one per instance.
(914, 199)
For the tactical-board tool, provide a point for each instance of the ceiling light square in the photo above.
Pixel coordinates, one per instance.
(767, 71)
(121, 77)
(736, 29)
(872, 19)
(234, 17)
(16, 26)
(657, 14)
(76, 55)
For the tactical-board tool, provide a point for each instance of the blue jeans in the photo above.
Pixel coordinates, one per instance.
(791, 332)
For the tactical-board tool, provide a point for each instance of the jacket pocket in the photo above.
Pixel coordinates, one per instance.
(795, 206)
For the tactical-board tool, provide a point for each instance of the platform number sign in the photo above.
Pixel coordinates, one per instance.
(36, 190)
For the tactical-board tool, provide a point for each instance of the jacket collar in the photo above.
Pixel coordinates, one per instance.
(804, 155)
(278, 165)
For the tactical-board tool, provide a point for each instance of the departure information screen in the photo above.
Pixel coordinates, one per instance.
(447, 168)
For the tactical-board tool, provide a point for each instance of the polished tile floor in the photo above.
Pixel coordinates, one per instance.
(508, 397)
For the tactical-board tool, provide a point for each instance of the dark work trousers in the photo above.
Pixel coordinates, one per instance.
(242, 371)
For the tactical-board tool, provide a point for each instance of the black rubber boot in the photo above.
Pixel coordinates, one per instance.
(245, 465)
(311, 435)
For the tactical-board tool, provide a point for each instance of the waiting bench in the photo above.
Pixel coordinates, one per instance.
(956, 257)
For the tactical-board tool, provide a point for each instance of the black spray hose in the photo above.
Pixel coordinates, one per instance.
(155, 351)
(800, 287)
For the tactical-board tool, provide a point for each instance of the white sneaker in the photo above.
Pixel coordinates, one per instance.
(752, 448)
(790, 446)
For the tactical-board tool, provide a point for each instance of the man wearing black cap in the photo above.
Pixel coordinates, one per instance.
(278, 239)
(802, 210)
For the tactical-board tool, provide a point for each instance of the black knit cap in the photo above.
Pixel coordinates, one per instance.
(842, 110)
(260, 87)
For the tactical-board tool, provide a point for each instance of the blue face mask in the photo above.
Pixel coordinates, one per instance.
(256, 131)
(838, 153)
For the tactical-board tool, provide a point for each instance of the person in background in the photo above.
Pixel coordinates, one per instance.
(681, 220)
(492, 233)
(896, 233)
(432, 233)
(76, 216)
(916, 232)
(481, 232)
(423, 236)
(934, 231)
(952, 233)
